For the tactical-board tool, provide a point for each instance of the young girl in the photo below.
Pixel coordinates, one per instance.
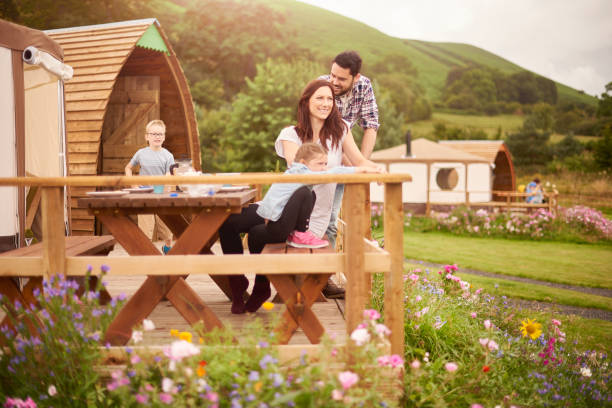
(283, 215)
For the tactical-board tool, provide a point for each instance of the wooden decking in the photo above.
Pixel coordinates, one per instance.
(166, 317)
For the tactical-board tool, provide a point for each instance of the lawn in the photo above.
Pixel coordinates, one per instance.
(568, 263)
(490, 124)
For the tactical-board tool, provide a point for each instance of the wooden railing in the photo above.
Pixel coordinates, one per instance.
(357, 262)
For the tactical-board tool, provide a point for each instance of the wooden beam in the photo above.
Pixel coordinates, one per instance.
(354, 261)
(53, 228)
(31, 212)
(394, 282)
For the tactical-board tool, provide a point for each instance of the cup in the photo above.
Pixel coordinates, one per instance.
(158, 188)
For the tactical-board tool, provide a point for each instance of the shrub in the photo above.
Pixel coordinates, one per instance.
(52, 347)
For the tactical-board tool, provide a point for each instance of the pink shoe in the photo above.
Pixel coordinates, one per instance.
(306, 240)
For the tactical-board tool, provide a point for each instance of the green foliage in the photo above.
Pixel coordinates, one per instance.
(442, 132)
(604, 105)
(54, 344)
(259, 113)
(391, 120)
(540, 117)
(529, 147)
(568, 146)
(602, 150)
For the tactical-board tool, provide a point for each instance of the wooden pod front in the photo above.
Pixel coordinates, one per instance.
(125, 74)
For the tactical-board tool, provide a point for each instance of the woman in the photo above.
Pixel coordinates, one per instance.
(319, 121)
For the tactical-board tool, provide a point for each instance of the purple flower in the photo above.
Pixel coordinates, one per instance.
(105, 268)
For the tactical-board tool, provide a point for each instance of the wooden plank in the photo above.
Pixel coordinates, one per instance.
(128, 234)
(96, 70)
(21, 266)
(85, 147)
(139, 113)
(59, 36)
(54, 250)
(191, 307)
(98, 62)
(76, 158)
(83, 136)
(88, 95)
(135, 96)
(69, 53)
(91, 105)
(87, 39)
(121, 151)
(31, 213)
(88, 86)
(87, 115)
(356, 290)
(94, 78)
(118, 42)
(394, 282)
(82, 125)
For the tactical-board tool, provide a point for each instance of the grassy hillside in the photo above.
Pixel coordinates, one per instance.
(326, 33)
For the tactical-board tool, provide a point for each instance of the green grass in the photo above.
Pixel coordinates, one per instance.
(568, 263)
(490, 124)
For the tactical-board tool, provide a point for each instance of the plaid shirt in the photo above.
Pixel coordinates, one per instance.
(361, 107)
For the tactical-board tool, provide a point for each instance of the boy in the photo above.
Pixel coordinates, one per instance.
(153, 160)
(283, 215)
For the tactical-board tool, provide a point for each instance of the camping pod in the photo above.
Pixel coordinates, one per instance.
(32, 141)
(125, 75)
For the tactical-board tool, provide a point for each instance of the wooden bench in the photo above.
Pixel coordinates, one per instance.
(75, 246)
(298, 292)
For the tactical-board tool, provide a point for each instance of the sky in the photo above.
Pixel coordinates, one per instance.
(569, 41)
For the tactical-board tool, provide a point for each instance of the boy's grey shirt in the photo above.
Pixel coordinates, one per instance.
(273, 204)
(153, 163)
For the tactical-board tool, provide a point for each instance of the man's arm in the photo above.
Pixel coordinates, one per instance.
(368, 141)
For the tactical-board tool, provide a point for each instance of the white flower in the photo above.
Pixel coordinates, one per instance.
(585, 371)
(201, 384)
(148, 325)
(382, 330)
(167, 384)
(52, 390)
(137, 336)
(360, 336)
(181, 349)
(487, 324)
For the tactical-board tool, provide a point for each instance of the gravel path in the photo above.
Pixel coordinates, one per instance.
(581, 311)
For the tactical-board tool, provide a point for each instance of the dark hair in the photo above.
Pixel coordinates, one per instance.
(350, 60)
(536, 180)
(172, 167)
(333, 127)
(308, 151)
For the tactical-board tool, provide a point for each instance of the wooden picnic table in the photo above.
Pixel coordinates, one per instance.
(194, 221)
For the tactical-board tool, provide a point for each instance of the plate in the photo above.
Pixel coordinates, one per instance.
(106, 193)
(229, 189)
(137, 190)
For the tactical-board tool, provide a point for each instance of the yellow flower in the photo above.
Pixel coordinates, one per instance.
(258, 386)
(531, 328)
(201, 340)
(174, 333)
(201, 370)
(185, 336)
(268, 305)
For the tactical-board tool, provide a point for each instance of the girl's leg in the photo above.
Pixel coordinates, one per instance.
(296, 214)
(229, 235)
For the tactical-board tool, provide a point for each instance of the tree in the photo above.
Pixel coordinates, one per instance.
(260, 112)
(602, 150)
(604, 105)
(529, 146)
(568, 146)
(540, 118)
(390, 132)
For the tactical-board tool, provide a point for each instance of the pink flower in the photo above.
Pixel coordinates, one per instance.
(478, 291)
(418, 298)
(382, 330)
(337, 395)
(476, 406)
(135, 359)
(360, 336)
(416, 364)
(451, 367)
(487, 324)
(348, 379)
(52, 390)
(371, 314)
(414, 278)
(212, 396)
(384, 361)
(142, 398)
(111, 386)
(473, 315)
(181, 349)
(165, 398)
(396, 361)
(556, 322)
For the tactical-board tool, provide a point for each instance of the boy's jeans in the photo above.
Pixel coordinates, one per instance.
(332, 228)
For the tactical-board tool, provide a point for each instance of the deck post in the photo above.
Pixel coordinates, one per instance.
(53, 229)
(394, 282)
(354, 260)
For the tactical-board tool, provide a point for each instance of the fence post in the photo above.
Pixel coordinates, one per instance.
(53, 229)
(394, 282)
(354, 256)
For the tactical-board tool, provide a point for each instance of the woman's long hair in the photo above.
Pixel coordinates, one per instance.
(333, 127)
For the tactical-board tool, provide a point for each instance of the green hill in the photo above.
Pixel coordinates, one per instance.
(327, 33)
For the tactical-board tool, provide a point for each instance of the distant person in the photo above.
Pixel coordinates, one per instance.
(154, 160)
(318, 121)
(282, 216)
(357, 105)
(535, 192)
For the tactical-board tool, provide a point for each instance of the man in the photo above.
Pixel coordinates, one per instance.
(357, 104)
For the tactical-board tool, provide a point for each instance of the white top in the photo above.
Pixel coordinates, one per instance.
(321, 213)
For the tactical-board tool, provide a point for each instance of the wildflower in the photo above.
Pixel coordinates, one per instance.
(371, 314)
(254, 376)
(257, 386)
(487, 324)
(476, 406)
(486, 368)
(167, 384)
(489, 344)
(135, 359)
(418, 298)
(52, 390)
(267, 359)
(473, 315)
(201, 371)
(185, 336)
(416, 364)
(585, 371)
(337, 395)
(360, 336)
(531, 328)
(165, 398)
(137, 336)
(348, 379)
(142, 398)
(382, 330)
(556, 322)
(180, 349)
(451, 367)
(174, 333)
(148, 325)
(268, 305)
